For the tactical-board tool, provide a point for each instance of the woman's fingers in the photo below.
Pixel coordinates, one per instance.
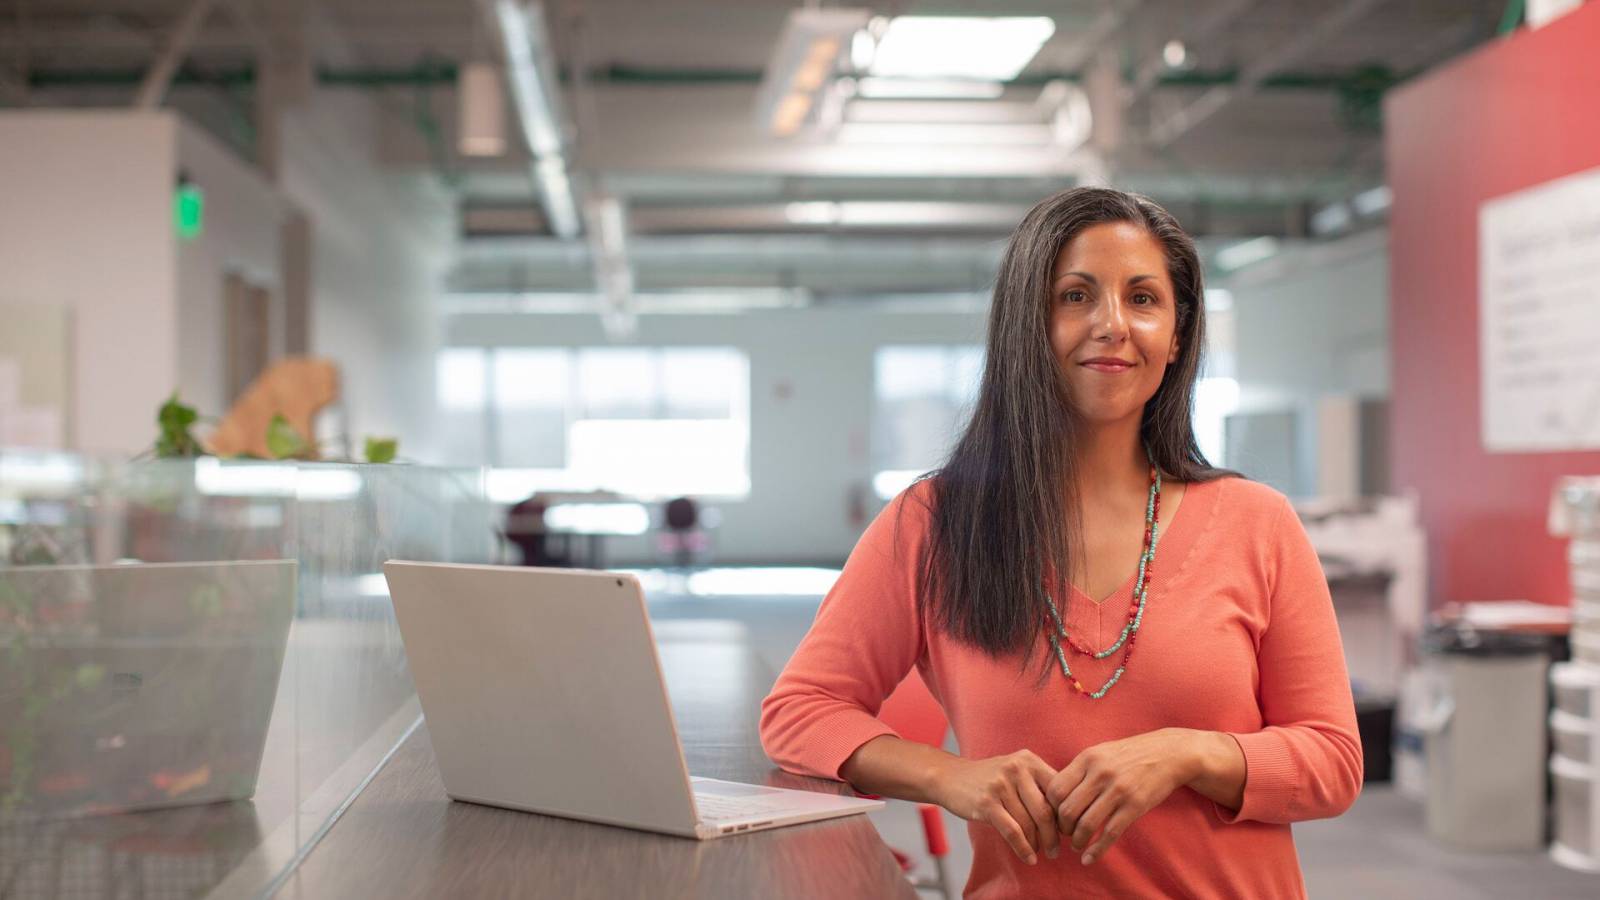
(1018, 811)
(1089, 822)
(1119, 822)
(1073, 805)
(1062, 783)
(1046, 837)
(994, 812)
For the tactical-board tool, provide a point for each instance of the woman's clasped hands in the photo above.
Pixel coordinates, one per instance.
(1086, 805)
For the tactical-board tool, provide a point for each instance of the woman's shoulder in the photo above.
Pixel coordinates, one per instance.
(1247, 503)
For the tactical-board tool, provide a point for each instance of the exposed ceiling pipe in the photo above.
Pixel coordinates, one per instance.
(1212, 101)
(1150, 71)
(1089, 41)
(530, 69)
(154, 87)
(613, 273)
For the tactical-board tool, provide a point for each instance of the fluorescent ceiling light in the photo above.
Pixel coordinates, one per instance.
(1174, 54)
(531, 71)
(986, 49)
(939, 134)
(532, 76)
(862, 47)
(812, 43)
(927, 89)
(1245, 253)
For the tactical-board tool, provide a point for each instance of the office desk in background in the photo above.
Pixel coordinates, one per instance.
(402, 837)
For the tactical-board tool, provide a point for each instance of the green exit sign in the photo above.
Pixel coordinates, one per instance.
(188, 210)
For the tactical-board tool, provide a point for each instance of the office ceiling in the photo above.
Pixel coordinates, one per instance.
(1273, 115)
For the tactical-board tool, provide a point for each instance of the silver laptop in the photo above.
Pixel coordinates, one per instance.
(543, 692)
(137, 686)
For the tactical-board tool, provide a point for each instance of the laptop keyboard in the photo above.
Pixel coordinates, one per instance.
(713, 808)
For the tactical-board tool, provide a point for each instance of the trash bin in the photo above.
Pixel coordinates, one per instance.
(1484, 741)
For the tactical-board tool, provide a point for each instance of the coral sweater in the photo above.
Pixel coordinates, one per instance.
(1239, 637)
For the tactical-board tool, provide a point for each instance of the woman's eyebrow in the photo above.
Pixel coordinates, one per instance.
(1084, 275)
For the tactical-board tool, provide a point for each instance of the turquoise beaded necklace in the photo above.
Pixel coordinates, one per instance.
(1141, 593)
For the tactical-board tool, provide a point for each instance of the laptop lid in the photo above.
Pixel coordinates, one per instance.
(542, 692)
(137, 686)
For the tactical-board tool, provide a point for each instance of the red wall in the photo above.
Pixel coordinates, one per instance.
(1516, 113)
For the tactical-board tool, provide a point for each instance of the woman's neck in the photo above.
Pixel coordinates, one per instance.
(1111, 463)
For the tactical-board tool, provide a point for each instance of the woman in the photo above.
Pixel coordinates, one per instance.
(1074, 520)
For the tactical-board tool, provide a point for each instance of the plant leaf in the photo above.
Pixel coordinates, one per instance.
(283, 442)
(173, 439)
(382, 450)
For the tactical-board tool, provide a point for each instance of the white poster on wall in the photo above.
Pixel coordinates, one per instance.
(1539, 317)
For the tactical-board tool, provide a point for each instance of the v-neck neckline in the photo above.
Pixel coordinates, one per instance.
(1172, 543)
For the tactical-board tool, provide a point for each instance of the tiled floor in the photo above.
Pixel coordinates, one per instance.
(1379, 849)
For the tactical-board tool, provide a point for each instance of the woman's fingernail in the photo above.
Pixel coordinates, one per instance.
(1088, 858)
(1053, 852)
(1032, 859)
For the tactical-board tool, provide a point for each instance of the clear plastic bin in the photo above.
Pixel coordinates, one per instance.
(1573, 686)
(1571, 736)
(1586, 613)
(1574, 844)
(1586, 647)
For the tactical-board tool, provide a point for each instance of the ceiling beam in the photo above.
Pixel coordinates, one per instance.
(1214, 100)
(156, 81)
(1149, 72)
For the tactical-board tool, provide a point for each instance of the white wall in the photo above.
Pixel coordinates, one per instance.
(808, 449)
(242, 218)
(380, 244)
(1311, 322)
(86, 224)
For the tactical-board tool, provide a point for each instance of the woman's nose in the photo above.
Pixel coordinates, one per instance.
(1110, 319)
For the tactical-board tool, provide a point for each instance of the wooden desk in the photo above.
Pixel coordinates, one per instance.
(404, 838)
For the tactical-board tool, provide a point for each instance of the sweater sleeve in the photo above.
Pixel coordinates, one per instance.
(1305, 762)
(866, 637)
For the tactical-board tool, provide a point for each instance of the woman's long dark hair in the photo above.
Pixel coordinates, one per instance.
(1005, 507)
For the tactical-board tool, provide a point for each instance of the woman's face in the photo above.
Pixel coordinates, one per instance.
(1112, 298)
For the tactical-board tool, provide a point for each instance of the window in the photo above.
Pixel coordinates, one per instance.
(923, 395)
(462, 391)
(648, 421)
(532, 390)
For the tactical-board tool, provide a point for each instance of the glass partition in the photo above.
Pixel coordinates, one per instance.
(199, 662)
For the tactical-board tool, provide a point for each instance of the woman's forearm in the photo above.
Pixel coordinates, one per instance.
(894, 767)
(1217, 768)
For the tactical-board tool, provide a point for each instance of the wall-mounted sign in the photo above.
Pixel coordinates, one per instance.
(1539, 317)
(188, 209)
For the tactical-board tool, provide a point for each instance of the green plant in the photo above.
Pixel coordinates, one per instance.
(174, 440)
(283, 442)
(381, 450)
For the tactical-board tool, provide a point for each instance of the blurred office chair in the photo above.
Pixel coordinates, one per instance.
(525, 528)
(913, 712)
(683, 538)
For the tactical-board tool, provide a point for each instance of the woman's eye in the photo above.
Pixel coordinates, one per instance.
(1073, 296)
(1146, 297)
